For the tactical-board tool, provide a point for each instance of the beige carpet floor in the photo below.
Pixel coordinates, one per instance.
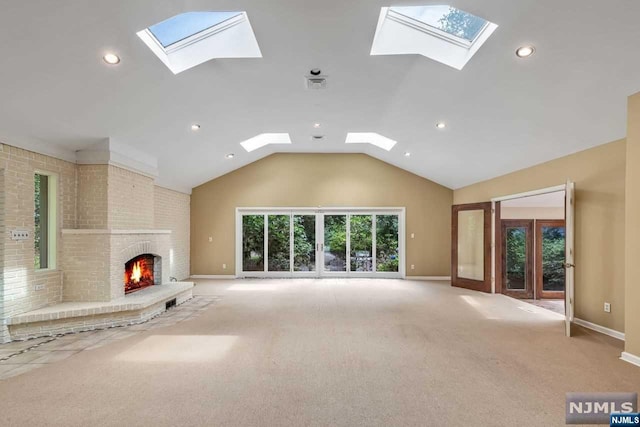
(329, 352)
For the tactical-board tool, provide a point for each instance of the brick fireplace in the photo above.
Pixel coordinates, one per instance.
(95, 260)
(108, 227)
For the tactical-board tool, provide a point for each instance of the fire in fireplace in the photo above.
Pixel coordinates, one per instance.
(138, 273)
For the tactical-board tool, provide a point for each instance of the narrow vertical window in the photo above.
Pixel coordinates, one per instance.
(41, 234)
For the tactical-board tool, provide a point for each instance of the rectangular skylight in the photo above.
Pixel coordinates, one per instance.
(370, 138)
(185, 25)
(440, 32)
(452, 21)
(265, 139)
(193, 38)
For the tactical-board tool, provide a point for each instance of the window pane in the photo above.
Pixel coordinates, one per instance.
(335, 243)
(445, 18)
(387, 243)
(361, 243)
(41, 232)
(471, 244)
(516, 258)
(279, 243)
(304, 242)
(253, 243)
(187, 24)
(553, 249)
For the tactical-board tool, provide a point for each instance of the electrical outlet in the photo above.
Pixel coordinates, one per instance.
(210, 239)
(224, 266)
(39, 287)
(413, 267)
(20, 235)
(413, 235)
(607, 307)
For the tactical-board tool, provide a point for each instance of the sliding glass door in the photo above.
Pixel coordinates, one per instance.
(314, 243)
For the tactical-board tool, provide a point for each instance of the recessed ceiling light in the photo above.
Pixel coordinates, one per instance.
(316, 125)
(230, 156)
(263, 139)
(525, 51)
(111, 59)
(370, 138)
(195, 127)
(441, 125)
(407, 154)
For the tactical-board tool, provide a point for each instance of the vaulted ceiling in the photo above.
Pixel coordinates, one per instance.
(502, 113)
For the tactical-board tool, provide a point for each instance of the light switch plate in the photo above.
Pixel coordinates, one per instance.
(20, 235)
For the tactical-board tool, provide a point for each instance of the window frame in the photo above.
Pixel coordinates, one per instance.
(52, 219)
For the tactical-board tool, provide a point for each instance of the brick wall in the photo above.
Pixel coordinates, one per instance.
(130, 200)
(96, 197)
(4, 333)
(92, 196)
(19, 274)
(172, 212)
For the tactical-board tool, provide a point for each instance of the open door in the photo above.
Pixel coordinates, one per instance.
(471, 246)
(570, 207)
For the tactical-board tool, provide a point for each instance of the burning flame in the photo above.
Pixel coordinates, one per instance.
(136, 272)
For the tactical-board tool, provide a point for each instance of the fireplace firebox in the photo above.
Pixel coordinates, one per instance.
(140, 272)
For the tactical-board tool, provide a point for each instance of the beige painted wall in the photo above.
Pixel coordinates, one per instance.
(309, 180)
(632, 276)
(599, 174)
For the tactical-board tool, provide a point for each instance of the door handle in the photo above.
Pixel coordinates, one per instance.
(568, 265)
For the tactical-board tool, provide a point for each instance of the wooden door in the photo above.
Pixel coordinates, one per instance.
(471, 246)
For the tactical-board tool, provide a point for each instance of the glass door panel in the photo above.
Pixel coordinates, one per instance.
(387, 243)
(253, 243)
(279, 248)
(516, 258)
(361, 242)
(304, 243)
(471, 244)
(335, 243)
(551, 272)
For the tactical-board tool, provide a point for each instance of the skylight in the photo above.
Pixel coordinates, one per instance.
(192, 38)
(265, 139)
(185, 25)
(452, 21)
(370, 138)
(440, 32)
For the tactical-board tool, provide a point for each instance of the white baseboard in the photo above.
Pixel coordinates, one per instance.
(428, 278)
(598, 328)
(631, 358)
(214, 276)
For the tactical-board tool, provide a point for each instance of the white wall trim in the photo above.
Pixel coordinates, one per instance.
(547, 190)
(174, 189)
(429, 278)
(213, 276)
(598, 328)
(117, 154)
(631, 358)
